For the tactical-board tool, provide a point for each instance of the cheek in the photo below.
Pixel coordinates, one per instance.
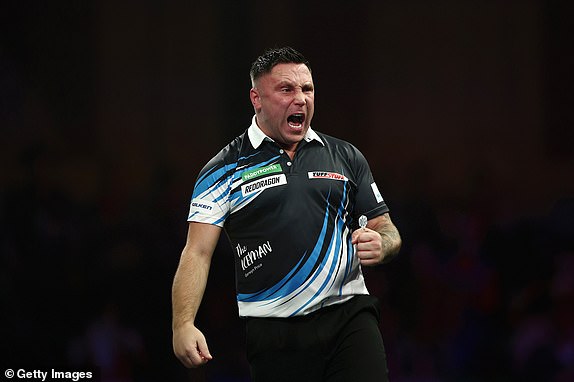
(277, 104)
(311, 107)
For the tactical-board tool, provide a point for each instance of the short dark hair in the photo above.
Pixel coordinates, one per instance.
(271, 57)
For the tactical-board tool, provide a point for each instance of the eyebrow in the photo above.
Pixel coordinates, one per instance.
(285, 83)
(306, 85)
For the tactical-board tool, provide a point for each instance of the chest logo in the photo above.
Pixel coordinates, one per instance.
(326, 175)
(260, 185)
(256, 173)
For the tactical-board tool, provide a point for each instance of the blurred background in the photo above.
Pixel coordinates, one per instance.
(108, 110)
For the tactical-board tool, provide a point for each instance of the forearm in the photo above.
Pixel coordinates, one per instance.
(391, 239)
(189, 344)
(189, 286)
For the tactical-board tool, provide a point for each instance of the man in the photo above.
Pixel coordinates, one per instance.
(290, 200)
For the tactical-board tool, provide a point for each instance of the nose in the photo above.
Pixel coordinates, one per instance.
(300, 98)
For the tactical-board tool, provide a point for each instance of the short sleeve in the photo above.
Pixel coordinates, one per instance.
(210, 199)
(369, 200)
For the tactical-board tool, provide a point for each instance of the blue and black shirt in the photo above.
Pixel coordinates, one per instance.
(289, 221)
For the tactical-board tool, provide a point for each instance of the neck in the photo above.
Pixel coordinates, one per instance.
(291, 153)
(289, 149)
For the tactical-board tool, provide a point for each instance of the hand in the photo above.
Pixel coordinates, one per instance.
(368, 246)
(190, 346)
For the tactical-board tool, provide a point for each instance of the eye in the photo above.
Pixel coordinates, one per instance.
(308, 89)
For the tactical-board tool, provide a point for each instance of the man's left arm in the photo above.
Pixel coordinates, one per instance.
(379, 242)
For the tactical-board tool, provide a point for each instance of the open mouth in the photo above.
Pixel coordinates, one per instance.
(296, 120)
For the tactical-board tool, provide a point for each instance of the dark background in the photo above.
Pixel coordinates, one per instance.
(463, 108)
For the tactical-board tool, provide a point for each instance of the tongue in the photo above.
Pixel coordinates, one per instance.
(295, 120)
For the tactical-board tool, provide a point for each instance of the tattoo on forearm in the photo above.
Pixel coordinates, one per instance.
(391, 240)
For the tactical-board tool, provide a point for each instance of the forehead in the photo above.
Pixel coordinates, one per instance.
(298, 73)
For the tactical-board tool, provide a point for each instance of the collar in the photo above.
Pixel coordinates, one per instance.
(257, 136)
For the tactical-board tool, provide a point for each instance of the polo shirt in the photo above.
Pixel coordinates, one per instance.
(289, 221)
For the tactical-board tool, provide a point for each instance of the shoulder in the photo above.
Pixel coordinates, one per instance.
(341, 146)
(226, 159)
(232, 151)
(234, 148)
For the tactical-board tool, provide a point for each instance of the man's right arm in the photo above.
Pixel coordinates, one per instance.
(189, 283)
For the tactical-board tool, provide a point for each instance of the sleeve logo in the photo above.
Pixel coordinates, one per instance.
(376, 192)
(202, 207)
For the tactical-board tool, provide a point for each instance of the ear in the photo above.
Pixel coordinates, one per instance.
(255, 98)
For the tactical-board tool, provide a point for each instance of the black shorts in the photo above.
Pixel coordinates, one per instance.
(335, 344)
